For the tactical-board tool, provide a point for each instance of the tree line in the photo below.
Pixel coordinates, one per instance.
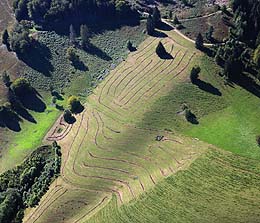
(24, 185)
(55, 10)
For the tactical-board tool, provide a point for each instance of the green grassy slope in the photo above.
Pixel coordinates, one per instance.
(229, 121)
(17, 145)
(218, 187)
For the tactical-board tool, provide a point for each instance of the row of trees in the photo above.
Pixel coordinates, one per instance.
(50, 11)
(74, 107)
(84, 36)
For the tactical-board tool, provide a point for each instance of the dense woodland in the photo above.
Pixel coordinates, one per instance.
(24, 185)
(55, 10)
(246, 21)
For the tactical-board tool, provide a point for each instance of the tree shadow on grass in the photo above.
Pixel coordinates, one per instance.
(159, 34)
(165, 27)
(38, 58)
(79, 65)
(166, 56)
(192, 119)
(18, 107)
(207, 87)
(33, 102)
(11, 121)
(93, 50)
(248, 84)
(22, 112)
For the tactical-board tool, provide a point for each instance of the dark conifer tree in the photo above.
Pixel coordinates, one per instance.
(199, 43)
(156, 17)
(5, 39)
(84, 34)
(72, 35)
(150, 25)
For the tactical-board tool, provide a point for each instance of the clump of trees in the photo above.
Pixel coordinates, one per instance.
(21, 87)
(18, 40)
(246, 19)
(24, 185)
(75, 105)
(234, 57)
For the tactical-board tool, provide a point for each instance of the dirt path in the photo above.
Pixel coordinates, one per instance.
(200, 17)
(182, 35)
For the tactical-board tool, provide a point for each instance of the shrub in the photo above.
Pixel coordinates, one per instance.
(190, 117)
(129, 45)
(74, 104)
(71, 55)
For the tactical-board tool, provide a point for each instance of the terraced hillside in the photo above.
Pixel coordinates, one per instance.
(104, 152)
